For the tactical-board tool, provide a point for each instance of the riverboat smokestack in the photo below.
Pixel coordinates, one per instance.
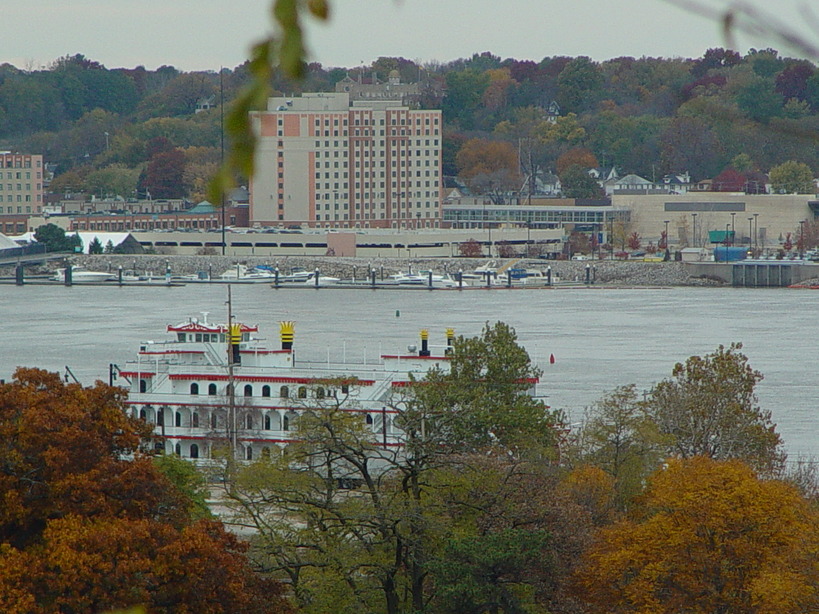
(450, 338)
(287, 330)
(235, 340)
(424, 343)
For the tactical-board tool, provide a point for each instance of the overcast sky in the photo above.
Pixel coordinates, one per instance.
(207, 34)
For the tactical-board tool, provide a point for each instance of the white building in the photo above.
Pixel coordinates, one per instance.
(323, 162)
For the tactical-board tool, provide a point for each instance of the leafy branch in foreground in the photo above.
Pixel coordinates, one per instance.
(284, 50)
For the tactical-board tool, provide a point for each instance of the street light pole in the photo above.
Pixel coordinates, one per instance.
(694, 230)
(756, 231)
(801, 238)
(750, 231)
(733, 228)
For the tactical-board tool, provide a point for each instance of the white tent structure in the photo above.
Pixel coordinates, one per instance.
(116, 238)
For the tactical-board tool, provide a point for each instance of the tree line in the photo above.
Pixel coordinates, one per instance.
(128, 132)
(677, 499)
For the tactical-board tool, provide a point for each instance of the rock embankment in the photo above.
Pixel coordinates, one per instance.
(604, 272)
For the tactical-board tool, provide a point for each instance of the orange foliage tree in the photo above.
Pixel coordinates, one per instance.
(712, 538)
(489, 167)
(87, 521)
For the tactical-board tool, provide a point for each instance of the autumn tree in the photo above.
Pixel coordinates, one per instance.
(709, 408)
(578, 156)
(489, 167)
(711, 537)
(89, 524)
(792, 177)
(470, 249)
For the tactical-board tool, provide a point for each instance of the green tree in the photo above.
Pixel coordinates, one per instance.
(575, 182)
(620, 439)
(579, 85)
(709, 408)
(369, 548)
(95, 247)
(55, 238)
(792, 177)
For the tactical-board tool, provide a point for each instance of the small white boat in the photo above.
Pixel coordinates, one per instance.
(81, 275)
(423, 278)
(241, 273)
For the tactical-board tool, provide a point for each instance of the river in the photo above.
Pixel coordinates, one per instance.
(600, 338)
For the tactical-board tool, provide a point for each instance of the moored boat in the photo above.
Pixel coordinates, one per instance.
(80, 274)
(213, 385)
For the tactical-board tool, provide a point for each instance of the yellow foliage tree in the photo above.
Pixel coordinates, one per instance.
(713, 538)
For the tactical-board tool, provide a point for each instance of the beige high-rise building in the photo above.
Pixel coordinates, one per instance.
(323, 162)
(21, 184)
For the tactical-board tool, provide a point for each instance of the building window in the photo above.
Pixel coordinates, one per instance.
(211, 389)
(178, 419)
(194, 451)
(194, 388)
(265, 391)
(248, 390)
(284, 392)
(302, 392)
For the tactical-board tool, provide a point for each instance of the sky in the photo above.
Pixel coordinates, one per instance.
(209, 34)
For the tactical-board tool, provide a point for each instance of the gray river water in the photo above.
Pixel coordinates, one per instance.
(600, 338)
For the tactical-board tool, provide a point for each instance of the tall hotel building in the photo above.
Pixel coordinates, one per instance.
(21, 184)
(324, 162)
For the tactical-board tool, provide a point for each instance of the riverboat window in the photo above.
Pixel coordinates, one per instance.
(369, 419)
(249, 421)
(249, 453)
(195, 420)
(143, 415)
(194, 388)
(302, 392)
(198, 337)
(143, 385)
(160, 418)
(194, 451)
(159, 447)
(178, 449)
(267, 422)
(178, 419)
(181, 337)
(265, 391)
(285, 423)
(213, 421)
(345, 389)
(320, 393)
(211, 389)
(284, 392)
(248, 390)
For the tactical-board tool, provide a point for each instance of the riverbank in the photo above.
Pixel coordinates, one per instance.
(604, 272)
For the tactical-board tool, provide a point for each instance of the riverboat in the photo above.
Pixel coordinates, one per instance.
(212, 386)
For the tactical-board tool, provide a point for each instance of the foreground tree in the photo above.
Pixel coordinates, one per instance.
(371, 518)
(712, 537)
(709, 408)
(89, 524)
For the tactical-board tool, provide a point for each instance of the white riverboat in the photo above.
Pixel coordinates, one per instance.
(210, 386)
